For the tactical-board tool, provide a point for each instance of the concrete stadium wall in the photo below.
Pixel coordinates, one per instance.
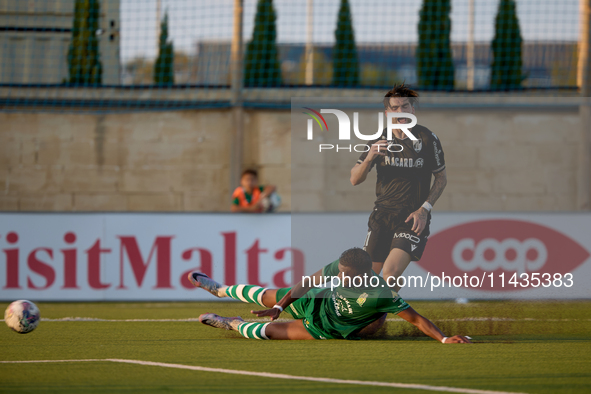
(179, 161)
(154, 161)
(509, 160)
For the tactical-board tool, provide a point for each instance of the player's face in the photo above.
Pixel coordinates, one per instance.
(249, 182)
(400, 104)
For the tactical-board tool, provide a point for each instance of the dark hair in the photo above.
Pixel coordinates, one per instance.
(401, 90)
(250, 171)
(356, 258)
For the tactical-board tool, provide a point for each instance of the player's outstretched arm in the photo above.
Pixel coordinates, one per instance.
(360, 170)
(428, 328)
(419, 217)
(297, 291)
(359, 173)
(439, 184)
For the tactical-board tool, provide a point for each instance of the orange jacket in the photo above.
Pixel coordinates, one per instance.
(241, 196)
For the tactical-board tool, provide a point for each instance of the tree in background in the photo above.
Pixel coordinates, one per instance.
(435, 68)
(379, 76)
(261, 61)
(84, 63)
(164, 66)
(140, 71)
(345, 63)
(506, 46)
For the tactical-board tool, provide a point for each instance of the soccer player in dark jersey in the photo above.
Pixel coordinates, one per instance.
(343, 312)
(399, 224)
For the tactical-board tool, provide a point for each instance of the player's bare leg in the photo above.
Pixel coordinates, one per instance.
(394, 266)
(377, 267)
(293, 330)
(270, 297)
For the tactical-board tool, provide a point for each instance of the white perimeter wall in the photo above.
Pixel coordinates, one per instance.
(146, 256)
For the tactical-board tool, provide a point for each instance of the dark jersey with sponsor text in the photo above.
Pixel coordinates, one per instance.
(404, 178)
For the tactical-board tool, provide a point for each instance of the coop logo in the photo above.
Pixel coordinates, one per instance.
(509, 254)
(511, 246)
(345, 129)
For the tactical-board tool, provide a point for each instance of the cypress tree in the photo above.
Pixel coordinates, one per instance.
(164, 66)
(506, 47)
(435, 68)
(261, 61)
(84, 63)
(345, 63)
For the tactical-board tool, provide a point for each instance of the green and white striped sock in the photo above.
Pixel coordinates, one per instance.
(246, 293)
(253, 330)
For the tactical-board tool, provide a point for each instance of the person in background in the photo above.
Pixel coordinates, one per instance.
(250, 196)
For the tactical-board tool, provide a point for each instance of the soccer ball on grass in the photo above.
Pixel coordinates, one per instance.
(22, 316)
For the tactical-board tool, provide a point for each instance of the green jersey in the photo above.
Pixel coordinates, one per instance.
(341, 312)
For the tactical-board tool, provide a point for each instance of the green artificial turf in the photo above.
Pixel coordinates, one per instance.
(531, 347)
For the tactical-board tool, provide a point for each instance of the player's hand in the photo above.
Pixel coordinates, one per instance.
(378, 149)
(457, 339)
(273, 313)
(419, 218)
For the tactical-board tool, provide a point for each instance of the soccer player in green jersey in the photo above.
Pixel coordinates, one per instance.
(321, 313)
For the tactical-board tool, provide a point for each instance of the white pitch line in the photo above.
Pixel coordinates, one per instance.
(195, 319)
(281, 376)
(94, 319)
(50, 361)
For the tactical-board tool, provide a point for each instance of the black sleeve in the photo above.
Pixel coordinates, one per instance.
(436, 159)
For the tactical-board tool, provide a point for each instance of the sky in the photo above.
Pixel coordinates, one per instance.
(374, 21)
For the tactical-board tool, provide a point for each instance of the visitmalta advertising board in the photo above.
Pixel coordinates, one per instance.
(147, 256)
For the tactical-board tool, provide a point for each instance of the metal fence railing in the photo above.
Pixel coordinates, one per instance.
(131, 54)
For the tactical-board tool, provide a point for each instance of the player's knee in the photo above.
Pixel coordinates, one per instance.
(269, 298)
(293, 330)
(390, 276)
